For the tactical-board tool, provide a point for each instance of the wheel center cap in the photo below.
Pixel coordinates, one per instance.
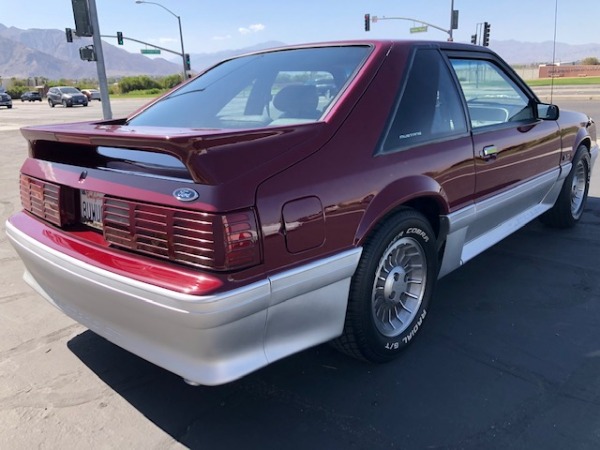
(395, 284)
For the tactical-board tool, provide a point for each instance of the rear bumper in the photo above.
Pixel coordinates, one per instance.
(210, 339)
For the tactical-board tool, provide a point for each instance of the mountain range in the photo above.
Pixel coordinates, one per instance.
(46, 53)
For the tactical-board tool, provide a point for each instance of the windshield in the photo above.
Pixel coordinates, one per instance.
(268, 89)
(69, 90)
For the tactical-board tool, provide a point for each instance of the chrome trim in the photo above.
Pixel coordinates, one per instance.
(147, 175)
(209, 339)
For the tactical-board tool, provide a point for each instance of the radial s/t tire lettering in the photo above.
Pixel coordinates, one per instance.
(391, 289)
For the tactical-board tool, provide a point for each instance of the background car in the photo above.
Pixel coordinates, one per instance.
(243, 217)
(31, 96)
(5, 100)
(66, 96)
(91, 94)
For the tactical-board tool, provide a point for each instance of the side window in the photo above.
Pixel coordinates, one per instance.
(492, 97)
(430, 107)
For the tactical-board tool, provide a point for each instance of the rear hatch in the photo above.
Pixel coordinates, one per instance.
(177, 194)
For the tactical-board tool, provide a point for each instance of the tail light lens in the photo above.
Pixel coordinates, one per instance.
(241, 239)
(212, 241)
(48, 201)
(221, 242)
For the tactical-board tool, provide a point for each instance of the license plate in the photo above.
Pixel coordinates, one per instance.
(91, 208)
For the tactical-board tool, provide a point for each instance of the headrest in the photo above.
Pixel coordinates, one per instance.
(298, 100)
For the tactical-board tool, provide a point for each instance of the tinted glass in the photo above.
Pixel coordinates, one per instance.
(69, 90)
(430, 107)
(284, 87)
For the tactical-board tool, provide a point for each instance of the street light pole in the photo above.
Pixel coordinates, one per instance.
(180, 32)
(451, 38)
(182, 50)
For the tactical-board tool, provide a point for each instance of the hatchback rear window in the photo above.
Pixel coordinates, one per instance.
(268, 89)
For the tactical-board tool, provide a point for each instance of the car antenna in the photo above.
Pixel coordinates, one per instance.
(554, 51)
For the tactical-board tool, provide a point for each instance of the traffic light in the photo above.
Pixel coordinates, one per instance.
(367, 22)
(486, 34)
(473, 39)
(188, 64)
(119, 38)
(83, 22)
(69, 33)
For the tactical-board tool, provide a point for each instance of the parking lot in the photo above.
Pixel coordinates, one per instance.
(509, 358)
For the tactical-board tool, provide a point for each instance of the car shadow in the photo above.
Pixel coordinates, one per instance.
(510, 350)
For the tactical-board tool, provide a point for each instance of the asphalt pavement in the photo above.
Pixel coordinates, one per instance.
(509, 358)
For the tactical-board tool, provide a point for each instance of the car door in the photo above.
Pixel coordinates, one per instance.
(517, 154)
(52, 94)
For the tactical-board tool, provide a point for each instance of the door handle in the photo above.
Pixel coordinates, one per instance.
(489, 152)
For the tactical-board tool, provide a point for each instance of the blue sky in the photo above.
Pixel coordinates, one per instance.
(210, 26)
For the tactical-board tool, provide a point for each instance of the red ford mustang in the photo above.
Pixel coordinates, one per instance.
(291, 197)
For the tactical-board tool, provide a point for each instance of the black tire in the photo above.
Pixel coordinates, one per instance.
(570, 204)
(391, 289)
(65, 104)
(51, 103)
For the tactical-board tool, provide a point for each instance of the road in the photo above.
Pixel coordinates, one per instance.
(509, 358)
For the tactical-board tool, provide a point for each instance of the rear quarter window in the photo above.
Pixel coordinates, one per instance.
(429, 107)
(269, 89)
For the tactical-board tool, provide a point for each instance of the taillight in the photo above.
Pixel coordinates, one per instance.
(221, 242)
(46, 200)
(241, 239)
(212, 241)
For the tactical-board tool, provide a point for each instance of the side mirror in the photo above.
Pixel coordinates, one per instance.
(547, 112)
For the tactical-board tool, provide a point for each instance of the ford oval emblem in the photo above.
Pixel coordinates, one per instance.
(185, 194)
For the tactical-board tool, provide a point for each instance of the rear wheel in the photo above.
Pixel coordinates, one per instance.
(391, 289)
(570, 204)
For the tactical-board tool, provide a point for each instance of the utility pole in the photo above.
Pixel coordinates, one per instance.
(100, 67)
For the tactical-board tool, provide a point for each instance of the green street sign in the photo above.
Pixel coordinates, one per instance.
(419, 29)
(150, 51)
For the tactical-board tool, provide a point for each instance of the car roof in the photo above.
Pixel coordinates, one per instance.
(376, 43)
(382, 42)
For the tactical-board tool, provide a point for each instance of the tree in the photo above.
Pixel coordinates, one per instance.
(590, 61)
(137, 83)
(171, 81)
